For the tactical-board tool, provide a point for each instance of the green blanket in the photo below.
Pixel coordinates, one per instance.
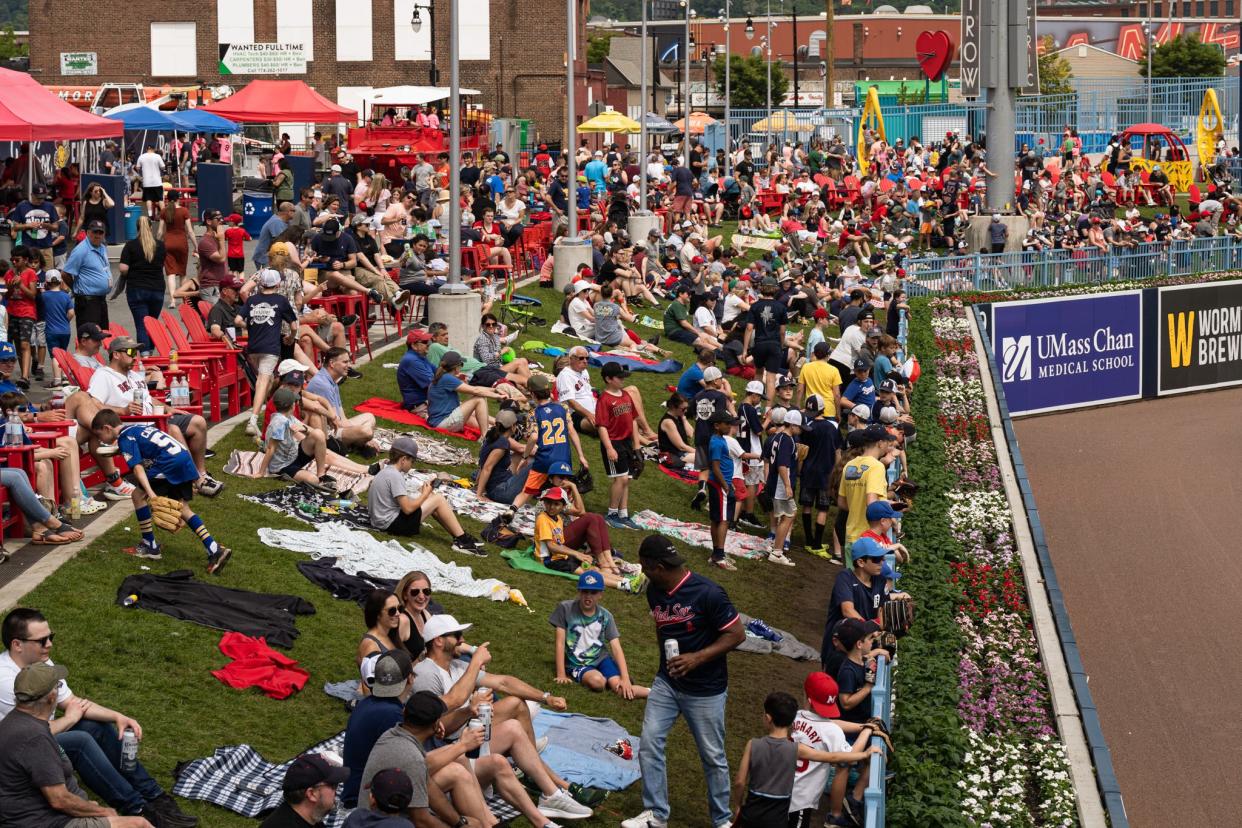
(525, 560)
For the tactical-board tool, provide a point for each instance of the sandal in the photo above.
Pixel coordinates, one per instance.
(65, 530)
(49, 537)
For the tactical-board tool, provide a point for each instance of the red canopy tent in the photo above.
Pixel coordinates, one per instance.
(273, 101)
(31, 112)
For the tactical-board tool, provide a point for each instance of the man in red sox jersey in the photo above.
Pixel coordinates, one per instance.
(821, 728)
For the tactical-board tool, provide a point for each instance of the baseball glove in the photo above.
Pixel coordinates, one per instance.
(878, 729)
(898, 616)
(166, 512)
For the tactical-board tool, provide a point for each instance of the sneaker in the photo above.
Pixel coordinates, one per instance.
(614, 521)
(348, 320)
(647, 819)
(820, 552)
(541, 744)
(400, 298)
(90, 506)
(23, 384)
(122, 491)
(374, 469)
(353, 373)
(252, 426)
(750, 521)
(760, 628)
(590, 797)
(469, 545)
(38, 374)
(779, 558)
(171, 815)
(561, 804)
(208, 454)
(551, 824)
(700, 498)
(636, 584)
(148, 550)
(109, 450)
(217, 561)
(853, 810)
(723, 563)
(209, 486)
(628, 523)
(375, 296)
(328, 480)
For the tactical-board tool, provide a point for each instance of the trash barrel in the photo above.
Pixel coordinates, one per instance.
(256, 210)
(132, 212)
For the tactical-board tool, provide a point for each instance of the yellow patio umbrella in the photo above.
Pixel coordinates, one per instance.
(698, 123)
(610, 120)
(781, 121)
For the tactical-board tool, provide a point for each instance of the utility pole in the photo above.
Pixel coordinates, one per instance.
(828, 76)
(795, 50)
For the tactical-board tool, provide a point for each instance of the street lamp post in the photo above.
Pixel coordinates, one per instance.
(570, 251)
(728, 91)
(767, 48)
(416, 23)
(795, 52)
(454, 284)
(642, 119)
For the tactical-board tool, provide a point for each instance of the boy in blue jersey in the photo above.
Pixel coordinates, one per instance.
(161, 466)
(549, 440)
(861, 390)
(722, 500)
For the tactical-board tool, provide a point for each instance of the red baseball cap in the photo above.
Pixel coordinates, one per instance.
(821, 691)
(234, 218)
(417, 336)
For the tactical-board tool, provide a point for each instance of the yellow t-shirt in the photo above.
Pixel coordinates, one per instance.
(862, 476)
(821, 377)
(550, 529)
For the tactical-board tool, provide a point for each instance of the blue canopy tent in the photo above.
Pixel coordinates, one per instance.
(140, 117)
(200, 120)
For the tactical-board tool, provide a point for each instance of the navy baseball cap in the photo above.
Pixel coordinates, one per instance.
(861, 365)
(561, 468)
(591, 581)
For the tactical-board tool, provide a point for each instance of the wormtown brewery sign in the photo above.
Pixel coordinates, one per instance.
(262, 59)
(1069, 352)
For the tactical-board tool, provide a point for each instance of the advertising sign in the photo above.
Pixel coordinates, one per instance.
(1069, 352)
(969, 58)
(262, 59)
(1200, 337)
(79, 63)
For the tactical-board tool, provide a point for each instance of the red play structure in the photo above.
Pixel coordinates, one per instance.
(390, 137)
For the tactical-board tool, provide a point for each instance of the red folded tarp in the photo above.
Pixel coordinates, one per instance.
(391, 410)
(32, 112)
(273, 101)
(257, 665)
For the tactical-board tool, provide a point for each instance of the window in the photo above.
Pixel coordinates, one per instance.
(476, 33)
(174, 49)
(235, 21)
(353, 30)
(409, 44)
(1213, 9)
(295, 24)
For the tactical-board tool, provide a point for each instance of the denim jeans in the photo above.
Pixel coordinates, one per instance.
(511, 488)
(144, 302)
(705, 716)
(95, 751)
(18, 484)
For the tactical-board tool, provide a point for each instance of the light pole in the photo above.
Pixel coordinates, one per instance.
(642, 119)
(1147, 33)
(767, 48)
(685, 101)
(724, 16)
(454, 284)
(416, 23)
(570, 251)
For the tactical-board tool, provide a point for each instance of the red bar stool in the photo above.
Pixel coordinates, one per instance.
(343, 304)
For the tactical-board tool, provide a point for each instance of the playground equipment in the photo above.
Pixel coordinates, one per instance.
(1209, 129)
(1157, 145)
(873, 119)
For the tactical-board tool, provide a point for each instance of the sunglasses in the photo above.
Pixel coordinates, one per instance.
(577, 357)
(42, 642)
(416, 591)
(391, 611)
(130, 352)
(489, 324)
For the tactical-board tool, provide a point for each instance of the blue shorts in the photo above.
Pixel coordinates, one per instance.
(607, 667)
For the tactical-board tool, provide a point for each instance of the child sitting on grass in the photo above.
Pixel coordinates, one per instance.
(551, 548)
(294, 450)
(765, 778)
(583, 630)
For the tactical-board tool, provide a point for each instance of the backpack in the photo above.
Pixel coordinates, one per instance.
(500, 533)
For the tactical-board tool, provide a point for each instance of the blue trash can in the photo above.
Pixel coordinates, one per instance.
(256, 210)
(131, 221)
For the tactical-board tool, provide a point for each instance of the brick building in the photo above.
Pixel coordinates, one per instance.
(513, 52)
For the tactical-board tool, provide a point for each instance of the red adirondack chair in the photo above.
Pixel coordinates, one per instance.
(206, 370)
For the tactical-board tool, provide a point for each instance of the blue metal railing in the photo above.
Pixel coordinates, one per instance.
(983, 272)
(882, 706)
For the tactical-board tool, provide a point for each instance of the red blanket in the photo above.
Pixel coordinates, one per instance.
(391, 410)
(257, 665)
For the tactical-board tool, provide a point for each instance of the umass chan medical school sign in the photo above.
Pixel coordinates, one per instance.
(1071, 352)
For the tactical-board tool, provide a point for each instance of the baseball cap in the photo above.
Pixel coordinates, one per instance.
(582, 285)
(864, 547)
(288, 366)
(39, 189)
(391, 671)
(591, 581)
(450, 359)
(814, 404)
(660, 549)
(539, 382)
(820, 313)
(554, 493)
(331, 229)
(755, 387)
(822, 349)
(122, 343)
(851, 630)
(406, 445)
(37, 680)
(417, 336)
(786, 381)
(560, 468)
(230, 282)
(269, 278)
(861, 411)
(424, 707)
(96, 225)
(234, 218)
(336, 168)
(90, 330)
(881, 509)
(793, 418)
(505, 418)
(712, 374)
(392, 790)
(777, 415)
(888, 385)
(821, 691)
(439, 625)
(312, 769)
(614, 369)
(722, 415)
(860, 364)
(284, 397)
(867, 314)
(52, 275)
(888, 415)
(875, 432)
(874, 333)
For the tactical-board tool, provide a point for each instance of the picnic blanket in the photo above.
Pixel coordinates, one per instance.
(525, 560)
(634, 363)
(430, 450)
(309, 506)
(685, 475)
(737, 544)
(236, 777)
(356, 551)
(392, 410)
(246, 464)
(578, 749)
(255, 664)
(344, 585)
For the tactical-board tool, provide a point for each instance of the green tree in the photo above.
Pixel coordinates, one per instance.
(748, 81)
(1055, 71)
(598, 45)
(1185, 56)
(9, 47)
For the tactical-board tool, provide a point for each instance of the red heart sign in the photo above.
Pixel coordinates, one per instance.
(934, 51)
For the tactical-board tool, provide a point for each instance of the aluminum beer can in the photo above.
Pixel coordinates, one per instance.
(671, 649)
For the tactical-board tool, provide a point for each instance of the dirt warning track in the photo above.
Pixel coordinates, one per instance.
(1142, 509)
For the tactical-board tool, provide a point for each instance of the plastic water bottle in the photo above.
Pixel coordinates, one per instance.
(129, 751)
(13, 430)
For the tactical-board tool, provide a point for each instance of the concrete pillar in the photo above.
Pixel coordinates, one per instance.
(461, 312)
(642, 224)
(977, 232)
(567, 255)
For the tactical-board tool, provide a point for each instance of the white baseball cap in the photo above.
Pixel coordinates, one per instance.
(269, 278)
(336, 168)
(888, 414)
(777, 415)
(712, 374)
(582, 285)
(793, 418)
(439, 625)
(861, 411)
(288, 366)
(755, 387)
